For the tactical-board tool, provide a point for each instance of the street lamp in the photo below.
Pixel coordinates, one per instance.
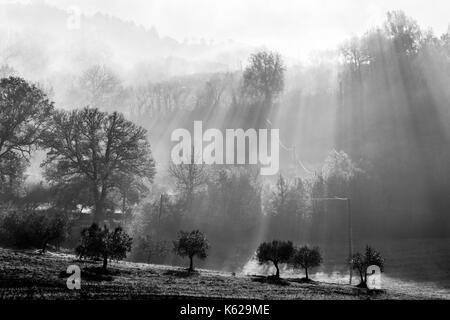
(350, 232)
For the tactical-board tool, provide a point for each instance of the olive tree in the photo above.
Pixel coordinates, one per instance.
(361, 262)
(307, 258)
(276, 252)
(104, 244)
(191, 244)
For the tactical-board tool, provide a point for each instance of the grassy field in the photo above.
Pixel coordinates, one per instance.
(29, 275)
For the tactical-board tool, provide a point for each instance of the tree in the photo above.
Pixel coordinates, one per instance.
(24, 111)
(307, 258)
(131, 190)
(189, 178)
(264, 80)
(12, 176)
(356, 54)
(102, 243)
(52, 227)
(6, 71)
(97, 146)
(404, 31)
(101, 88)
(361, 262)
(191, 244)
(72, 196)
(276, 252)
(286, 205)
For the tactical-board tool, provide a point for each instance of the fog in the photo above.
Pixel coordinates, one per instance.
(363, 113)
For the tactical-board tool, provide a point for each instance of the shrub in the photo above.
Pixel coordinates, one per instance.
(35, 229)
(190, 245)
(276, 252)
(97, 243)
(307, 258)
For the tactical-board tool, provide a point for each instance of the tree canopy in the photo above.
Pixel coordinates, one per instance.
(24, 111)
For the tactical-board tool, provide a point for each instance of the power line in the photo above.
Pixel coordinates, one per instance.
(293, 153)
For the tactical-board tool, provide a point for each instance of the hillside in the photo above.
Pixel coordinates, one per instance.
(28, 275)
(36, 48)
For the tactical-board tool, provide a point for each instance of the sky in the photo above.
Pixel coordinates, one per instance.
(293, 27)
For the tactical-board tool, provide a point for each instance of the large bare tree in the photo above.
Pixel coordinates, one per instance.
(98, 146)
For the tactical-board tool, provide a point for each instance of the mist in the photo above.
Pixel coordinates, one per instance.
(363, 114)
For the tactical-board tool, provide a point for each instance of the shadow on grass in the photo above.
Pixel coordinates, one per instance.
(94, 274)
(183, 273)
(270, 280)
(303, 281)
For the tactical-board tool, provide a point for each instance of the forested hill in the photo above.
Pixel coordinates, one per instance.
(54, 42)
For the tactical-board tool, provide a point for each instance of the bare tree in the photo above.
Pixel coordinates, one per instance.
(101, 87)
(24, 110)
(189, 178)
(97, 146)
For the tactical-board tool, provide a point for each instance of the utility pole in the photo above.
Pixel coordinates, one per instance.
(350, 238)
(160, 209)
(350, 230)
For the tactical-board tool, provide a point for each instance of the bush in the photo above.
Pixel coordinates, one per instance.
(97, 243)
(276, 252)
(35, 229)
(307, 258)
(361, 262)
(190, 245)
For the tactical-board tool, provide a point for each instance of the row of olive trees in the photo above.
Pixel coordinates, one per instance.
(101, 243)
(98, 243)
(306, 258)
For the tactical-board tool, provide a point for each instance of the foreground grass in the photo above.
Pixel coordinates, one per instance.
(28, 275)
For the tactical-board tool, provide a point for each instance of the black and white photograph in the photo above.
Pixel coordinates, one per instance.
(222, 155)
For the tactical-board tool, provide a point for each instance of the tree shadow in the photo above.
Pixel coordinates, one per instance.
(270, 280)
(94, 274)
(183, 273)
(303, 281)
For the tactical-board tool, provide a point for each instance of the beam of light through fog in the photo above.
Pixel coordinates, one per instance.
(294, 27)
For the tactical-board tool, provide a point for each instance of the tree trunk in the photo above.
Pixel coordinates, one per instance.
(99, 216)
(264, 112)
(278, 270)
(105, 262)
(44, 246)
(100, 197)
(362, 277)
(306, 272)
(191, 264)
